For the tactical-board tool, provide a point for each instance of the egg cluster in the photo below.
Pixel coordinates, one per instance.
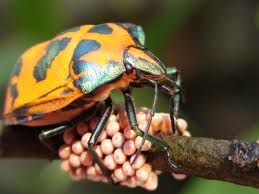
(116, 147)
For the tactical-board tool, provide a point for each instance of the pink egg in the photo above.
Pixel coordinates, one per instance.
(77, 147)
(141, 159)
(86, 159)
(93, 123)
(69, 136)
(127, 169)
(143, 172)
(109, 162)
(152, 182)
(107, 147)
(112, 128)
(74, 160)
(82, 128)
(119, 174)
(141, 116)
(90, 171)
(85, 138)
(112, 118)
(146, 146)
(65, 165)
(129, 134)
(64, 151)
(119, 156)
(102, 136)
(118, 140)
(129, 147)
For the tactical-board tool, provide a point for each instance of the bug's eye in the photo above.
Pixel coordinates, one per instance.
(128, 67)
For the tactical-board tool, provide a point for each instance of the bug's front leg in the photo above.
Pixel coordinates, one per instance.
(130, 109)
(96, 133)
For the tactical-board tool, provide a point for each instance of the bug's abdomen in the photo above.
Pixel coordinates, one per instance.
(41, 69)
(60, 116)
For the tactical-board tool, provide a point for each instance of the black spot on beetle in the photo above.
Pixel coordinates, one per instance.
(67, 91)
(25, 119)
(80, 81)
(17, 68)
(53, 49)
(80, 66)
(85, 46)
(77, 103)
(101, 29)
(37, 116)
(20, 120)
(14, 92)
(20, 111)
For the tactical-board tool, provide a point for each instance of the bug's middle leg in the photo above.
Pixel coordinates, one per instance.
(96, 133)
(130, 109)
(46, 134)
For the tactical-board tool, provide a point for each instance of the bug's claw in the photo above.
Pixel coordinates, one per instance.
(110, 180)
(169, 158)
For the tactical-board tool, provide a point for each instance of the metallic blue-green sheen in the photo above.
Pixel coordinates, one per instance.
(139, 34)
(97, 75)
(135, 31)
(152, 68)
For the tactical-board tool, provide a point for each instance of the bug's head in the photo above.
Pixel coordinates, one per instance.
(144, 63)
(137, 58)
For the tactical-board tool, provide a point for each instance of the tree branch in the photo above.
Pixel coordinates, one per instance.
(232, 161)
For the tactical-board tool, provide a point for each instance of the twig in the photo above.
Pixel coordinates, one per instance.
(232, 161)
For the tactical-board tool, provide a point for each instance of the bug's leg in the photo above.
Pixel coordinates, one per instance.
(96, 133)
(130, 109)
(174, 109)
(45, 135)
(176, 97)
(152, 112)
(176, 81)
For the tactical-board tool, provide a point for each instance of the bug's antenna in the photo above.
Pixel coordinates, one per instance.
(152, 112)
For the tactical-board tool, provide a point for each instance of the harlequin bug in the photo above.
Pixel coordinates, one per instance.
(60, 81)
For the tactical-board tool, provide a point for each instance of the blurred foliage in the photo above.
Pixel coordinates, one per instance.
(257, 15)
(197, 186)
(213, 43)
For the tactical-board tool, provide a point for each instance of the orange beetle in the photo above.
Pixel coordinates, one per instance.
(60, 81)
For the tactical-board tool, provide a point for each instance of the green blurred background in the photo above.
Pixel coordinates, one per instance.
(213, 43)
